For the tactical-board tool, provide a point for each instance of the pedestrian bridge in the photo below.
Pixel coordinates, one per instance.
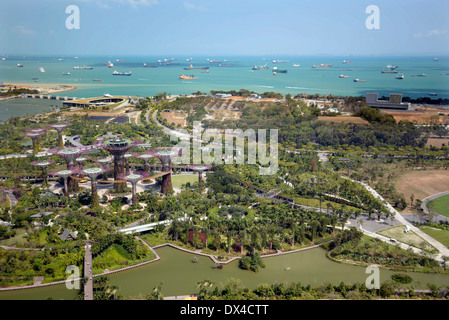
(149, 226)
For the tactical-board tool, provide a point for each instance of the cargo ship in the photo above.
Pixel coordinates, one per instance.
(343, 76)
(322, 66)
(184, 77)
(358, 80)
(264, 67)
(389, 71)
(196, 68)
(83, 68)
(116, 73)
(275, 69)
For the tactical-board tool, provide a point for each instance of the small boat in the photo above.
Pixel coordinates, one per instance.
(184, 77)
(66, 74)
(97, 80)
(422, 75)
(358, 80)
(343, 76)
(35, 79)
(296, 65)
(344, 61)
(120, 60)
(41, 69)
(116, 73)
(435, 59)
(110, 64)
(20, 65)
(400, 76)
(107, 95)
(274, 73)
(433, 94)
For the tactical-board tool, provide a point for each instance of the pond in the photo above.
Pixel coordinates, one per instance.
(178, 272)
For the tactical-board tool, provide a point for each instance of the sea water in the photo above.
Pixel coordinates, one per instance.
(233, 73)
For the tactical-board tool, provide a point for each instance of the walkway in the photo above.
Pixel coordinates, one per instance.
(442, 249)
(436, 217)
(88, 286)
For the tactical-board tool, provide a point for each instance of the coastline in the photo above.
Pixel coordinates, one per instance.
(43, 88)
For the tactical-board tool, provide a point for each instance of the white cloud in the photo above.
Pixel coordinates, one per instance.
(23, 30)
(193, 7)
(430, 33)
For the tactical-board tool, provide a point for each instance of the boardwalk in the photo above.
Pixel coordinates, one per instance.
(88, 286)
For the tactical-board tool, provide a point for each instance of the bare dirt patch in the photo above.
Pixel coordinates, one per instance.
(422, 183)
(175, 117)
(438, 143)
(420, 117)
(343, 119)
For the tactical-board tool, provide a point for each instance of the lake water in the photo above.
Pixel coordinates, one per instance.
(179, 274)
(22, 107)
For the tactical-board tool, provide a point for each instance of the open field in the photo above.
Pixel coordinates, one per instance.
(440, 205)
(179, 180)
(343, 119)
(175, 117)
(435, 142)
(409, 238)
(438, 234)
(422, 183)
(420, 117)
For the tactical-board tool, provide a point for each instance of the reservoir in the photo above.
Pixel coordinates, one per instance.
(178, 272)
(22, 107)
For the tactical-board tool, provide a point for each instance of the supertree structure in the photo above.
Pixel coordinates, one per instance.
(165, 155)
(103, 161)
(43, 164)
(35, 135)
(93, 174)
(127, 156)
(81, 160)
(59, 127)
(118, 147)
(69, 155)
(65, 174)
(134, 178)
(200, 168)
(146, 157)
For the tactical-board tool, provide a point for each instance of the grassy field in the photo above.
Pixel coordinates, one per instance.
(438, 234)
(440, 205)
(179, 180)
(409, 238)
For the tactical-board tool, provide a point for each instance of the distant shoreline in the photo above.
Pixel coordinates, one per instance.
(43, 88)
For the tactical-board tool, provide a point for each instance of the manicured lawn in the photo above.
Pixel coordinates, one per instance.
(180, 179)
(440, 205)
(438, 234)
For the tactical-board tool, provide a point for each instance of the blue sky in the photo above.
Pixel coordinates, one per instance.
(224, 27)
